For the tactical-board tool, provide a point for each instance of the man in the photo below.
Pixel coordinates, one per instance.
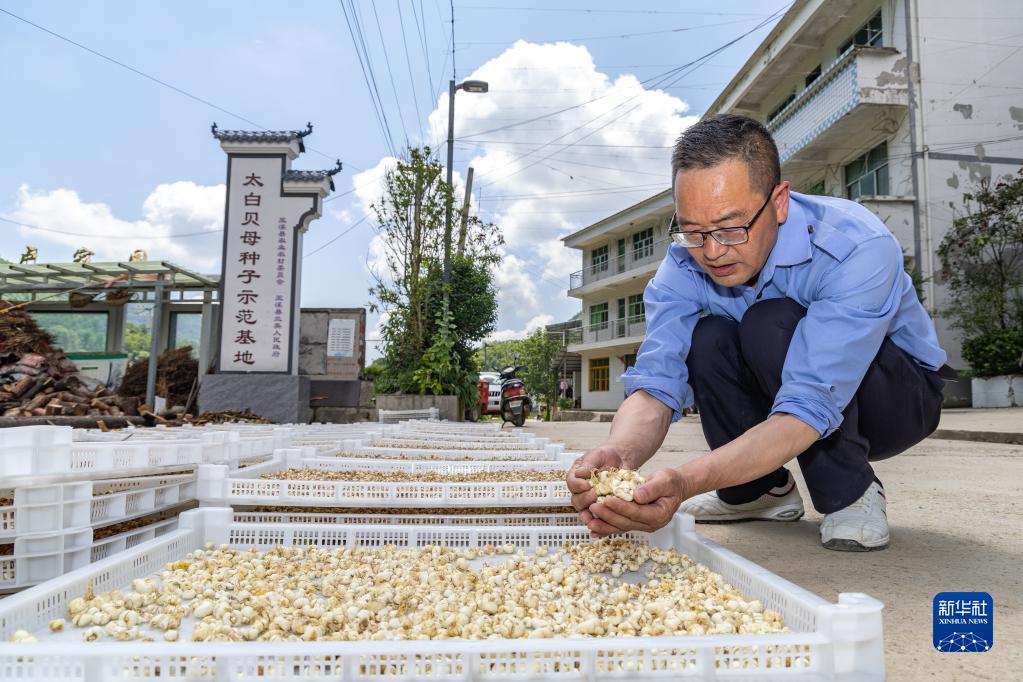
(790, 321)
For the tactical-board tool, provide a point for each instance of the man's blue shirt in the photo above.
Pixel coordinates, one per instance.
(832, 256)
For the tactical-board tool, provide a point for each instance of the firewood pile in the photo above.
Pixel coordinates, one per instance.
(176, 375)
(37, 379)
(230, 417)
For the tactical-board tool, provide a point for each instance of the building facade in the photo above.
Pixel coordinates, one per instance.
(901, 105)
(620, 255)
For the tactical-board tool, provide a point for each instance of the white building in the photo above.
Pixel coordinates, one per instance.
(901, 105)
(620, 255)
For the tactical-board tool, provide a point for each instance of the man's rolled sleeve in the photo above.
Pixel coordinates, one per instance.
(673, 304)
(833, 346)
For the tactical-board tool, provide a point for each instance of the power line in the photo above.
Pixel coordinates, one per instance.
(408, 63)
(454, 71)
(390, 74)
(574, 193)
(156, 80)
(691, 65)
(421, 30)
(182, 235)
(357, 22)
(571, 144)
(659, 77)
(615, 36)
(323, 246)
(606, 11)
(377, 106)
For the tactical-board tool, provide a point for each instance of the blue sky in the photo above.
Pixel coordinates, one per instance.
(128, 163)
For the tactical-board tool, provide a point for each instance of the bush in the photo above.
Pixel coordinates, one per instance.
(995, 354)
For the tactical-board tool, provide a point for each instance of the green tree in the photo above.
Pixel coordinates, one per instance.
(497, 355)
(418, 324)
(540, 367)
(982, 259)
(136, 341)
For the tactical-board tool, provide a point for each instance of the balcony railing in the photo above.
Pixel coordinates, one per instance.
(855, 78)
(619, 264)
(608, 331)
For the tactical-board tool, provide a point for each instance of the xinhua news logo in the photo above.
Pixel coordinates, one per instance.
(963, 622)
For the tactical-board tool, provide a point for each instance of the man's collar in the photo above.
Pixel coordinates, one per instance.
(793, 244)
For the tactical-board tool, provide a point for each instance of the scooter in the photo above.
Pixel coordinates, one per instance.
(515, 400)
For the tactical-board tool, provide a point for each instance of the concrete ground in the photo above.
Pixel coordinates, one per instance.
(956, 515)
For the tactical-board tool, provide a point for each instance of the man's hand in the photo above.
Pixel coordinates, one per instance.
(602, 457)
(655, 502)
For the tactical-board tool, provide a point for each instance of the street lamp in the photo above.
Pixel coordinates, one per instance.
(468, 86)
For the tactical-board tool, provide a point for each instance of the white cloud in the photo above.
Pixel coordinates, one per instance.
(622, 131)
(530, 182)
(532, 325)
(171, 209)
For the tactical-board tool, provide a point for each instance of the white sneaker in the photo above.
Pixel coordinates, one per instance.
(782, 503)
(860, 527)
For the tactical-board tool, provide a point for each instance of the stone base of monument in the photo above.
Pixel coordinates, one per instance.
(284, 398)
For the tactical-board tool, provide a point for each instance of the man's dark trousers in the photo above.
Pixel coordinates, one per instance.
(735, 370)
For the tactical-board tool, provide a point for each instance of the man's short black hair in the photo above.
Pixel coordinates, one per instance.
(724, 137)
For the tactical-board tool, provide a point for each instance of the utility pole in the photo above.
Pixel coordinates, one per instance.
(465, 213)
(447, 210)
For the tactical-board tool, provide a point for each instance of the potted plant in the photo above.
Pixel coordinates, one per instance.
(996, 368)
(982, 263)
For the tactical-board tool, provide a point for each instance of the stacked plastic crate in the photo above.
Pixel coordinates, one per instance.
(259, 506)
(65, 503)
(415, 469)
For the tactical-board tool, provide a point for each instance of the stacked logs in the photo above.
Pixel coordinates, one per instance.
(38, 380)
(36, 385)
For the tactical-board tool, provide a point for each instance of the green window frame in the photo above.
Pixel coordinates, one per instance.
(600, 375)
(871, 34)
(643, 243)
(637, 309)
(867, 175)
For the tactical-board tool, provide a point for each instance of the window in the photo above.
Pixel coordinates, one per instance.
(812, 76)
(600, 372)
(78, 332)
(598, 259)
(868, 175)
(630, 360)
(637, 310)
(774, 114)
(621, 255)
(186, 330)
(598, 316)
(643, 244)
(869, 34)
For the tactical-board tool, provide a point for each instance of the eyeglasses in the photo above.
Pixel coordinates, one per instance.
(726, 236)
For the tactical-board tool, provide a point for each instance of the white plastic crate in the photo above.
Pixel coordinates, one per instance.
(480, 436)
(440, 466)
(550, 451)
(41, 557)
(119, 500)
(565, 519)
(431, 444)
(218, 485)
(841, 642)
(107, 547)
(41, 455)
(34, 450)
(56, 507)
(44, 509)
(394, 416)
(451, 427)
